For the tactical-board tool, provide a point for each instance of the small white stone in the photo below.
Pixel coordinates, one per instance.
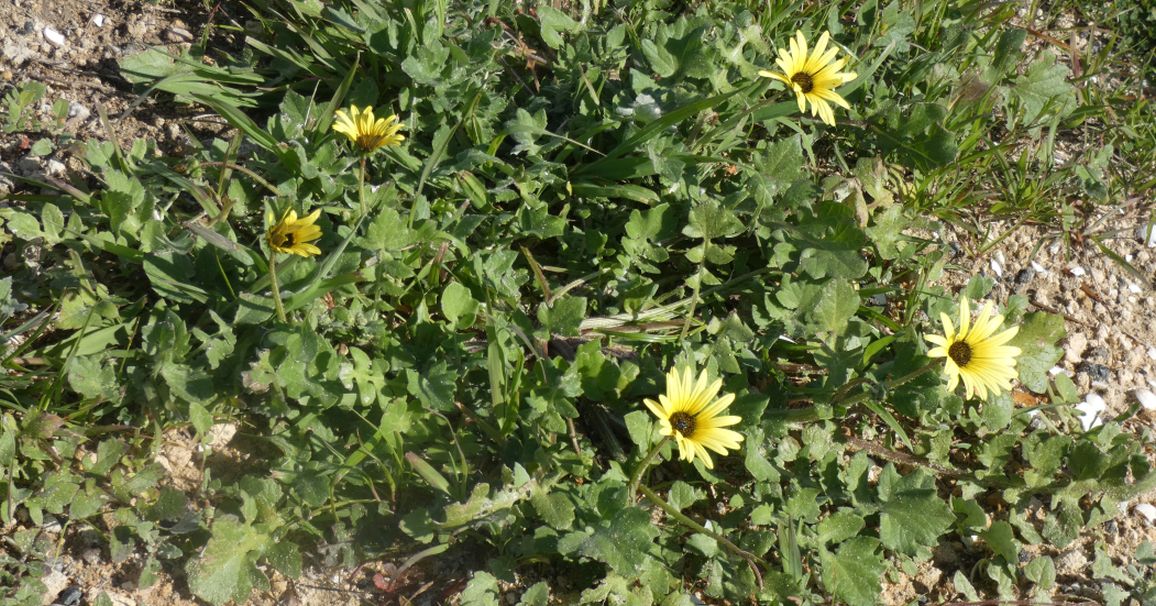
(997, 268)
(1152, 352)
(1090, 410)
(1056, 370)
(1134, 288)
(1128, 257)
(1146, 398)
(1147, 510)
(54, 37)
(98, 20)
(1039, 268)
(54, 168)
(1147, 234)
(1077, 271)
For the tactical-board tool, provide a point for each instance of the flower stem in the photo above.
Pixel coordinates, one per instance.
(697, 288)
(276, 287)
(361, 188)
(681, 518)
(636, 477)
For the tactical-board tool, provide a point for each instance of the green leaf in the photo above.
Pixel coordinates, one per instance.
(554, 508)
(1045, 87)
(482, 590)
(622, 542)
(661, 60)
(840, 526)
(458, 305)
(854, 572)
(710, 220)
(1042, 572)
(1001, 541)
(564, 316)
(913, 518)
(1037, 340)
(537, 595)
(226, 569)
(553, 22)
(836, 305)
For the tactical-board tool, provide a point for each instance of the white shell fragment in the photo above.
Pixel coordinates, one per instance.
(1146, 398)
(98, 20)
(1090, 410)
(1147, 234)
(1039, 268)
(997, 268)
(1147, 510)
(1078, 271)
(54, 37)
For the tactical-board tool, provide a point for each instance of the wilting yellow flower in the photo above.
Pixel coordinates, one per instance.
(689, 412)
(813, 76)
(292, 235)
(976, 353)
(366, 132)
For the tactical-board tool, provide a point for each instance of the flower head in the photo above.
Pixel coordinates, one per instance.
(366, 132)
(813, 76)
(976, 353)
(689, 412)
(294, 236)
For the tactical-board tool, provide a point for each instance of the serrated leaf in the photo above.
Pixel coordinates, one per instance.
(853, 573)
(226, 569)
(913, 519)
(840, 526)
(1043, 87)
(482, 590)
(1037, 340)
(622, 542)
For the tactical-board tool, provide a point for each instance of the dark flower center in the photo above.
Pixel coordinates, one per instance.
(960, 353)
(804, 80)
(683, 424)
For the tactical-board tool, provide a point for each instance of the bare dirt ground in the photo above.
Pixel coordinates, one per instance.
(72, 46)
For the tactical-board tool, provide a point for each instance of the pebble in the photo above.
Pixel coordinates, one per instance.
(1077, 271)
(1074, 351)
(98, 20)
(1039, 268)
(54, 582)
(178, 34)
(1152, 352)
(1025, 275)
(1096, 372)
(1090, 410)
(54, 168)
(997, 267)
(78, 112)
(1071, 563)
(54, 37)
(1146, 398)
(1147, 510)
(69, 597)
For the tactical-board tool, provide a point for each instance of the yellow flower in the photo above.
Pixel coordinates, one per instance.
(813, 76)
(689, 412)
(976, 353)
(365, 132)
(292, 235)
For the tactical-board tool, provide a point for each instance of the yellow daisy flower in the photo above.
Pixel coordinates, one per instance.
(976, 353)
(689, 412)
(294, 236)
(366, 132)
(813, 76)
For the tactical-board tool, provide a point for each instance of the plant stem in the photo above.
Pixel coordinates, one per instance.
(697, 287)
(681, 518)
(276, 287)
(636, 477)
(915, 374)
(361, 188)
